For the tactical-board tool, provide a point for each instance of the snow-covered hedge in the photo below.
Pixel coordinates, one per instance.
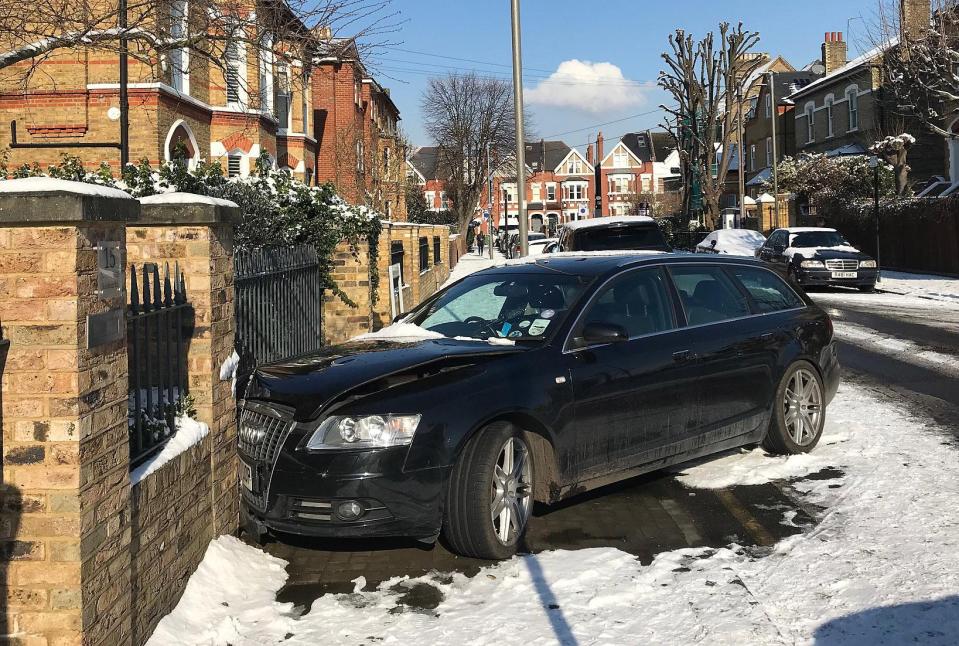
(278, 210)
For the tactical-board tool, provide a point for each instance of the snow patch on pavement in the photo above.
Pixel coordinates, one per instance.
(879, 568)
(750, 467)
(940, 288)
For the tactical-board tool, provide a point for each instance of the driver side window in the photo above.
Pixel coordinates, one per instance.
(637, 301)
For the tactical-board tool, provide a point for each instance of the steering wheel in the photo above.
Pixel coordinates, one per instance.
(471, 320)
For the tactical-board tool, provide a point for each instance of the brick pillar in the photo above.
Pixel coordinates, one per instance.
(64, 531)
(199, 236)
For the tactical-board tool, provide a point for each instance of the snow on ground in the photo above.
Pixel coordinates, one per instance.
(902, 349)
(924, 285)
(879, 568)
(470, 263)
(189, 432)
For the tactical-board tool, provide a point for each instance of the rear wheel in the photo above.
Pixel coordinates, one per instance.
(490, 496)
(800, 412)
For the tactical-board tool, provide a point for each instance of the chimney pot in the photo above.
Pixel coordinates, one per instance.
(839, 36)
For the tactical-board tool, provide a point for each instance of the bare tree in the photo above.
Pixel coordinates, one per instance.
(895, 150)
(920, 74)
(469, 117)
(158, 29)
(705, 79)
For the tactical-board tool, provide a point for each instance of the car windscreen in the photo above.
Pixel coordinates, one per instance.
(817, 239)
(523, 306)
(617, 238)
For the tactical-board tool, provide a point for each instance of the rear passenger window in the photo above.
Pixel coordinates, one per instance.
(638, 302)
(769, 291)
(708, 295)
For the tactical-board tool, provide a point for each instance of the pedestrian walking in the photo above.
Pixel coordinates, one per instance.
(480, 242)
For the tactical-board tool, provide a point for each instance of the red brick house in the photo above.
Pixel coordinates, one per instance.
(355, 125)
(253, 104)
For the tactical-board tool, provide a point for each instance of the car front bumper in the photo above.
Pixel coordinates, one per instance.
(302, 492)
(827, 278)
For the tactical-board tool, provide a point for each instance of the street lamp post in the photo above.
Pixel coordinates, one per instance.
(520, 136)
(874, 165)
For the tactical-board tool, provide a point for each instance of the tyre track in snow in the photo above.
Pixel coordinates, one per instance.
(905, 347)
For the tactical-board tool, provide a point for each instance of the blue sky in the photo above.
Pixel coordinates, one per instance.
(627, 34)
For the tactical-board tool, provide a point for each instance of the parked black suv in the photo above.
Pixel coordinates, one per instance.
(533, 381)
(621, 233)
(816, 256)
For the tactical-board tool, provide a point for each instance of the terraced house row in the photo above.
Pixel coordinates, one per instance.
(305, 99)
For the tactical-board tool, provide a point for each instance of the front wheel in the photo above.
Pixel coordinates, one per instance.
(490, 495)
(867, 289)
(800, 412)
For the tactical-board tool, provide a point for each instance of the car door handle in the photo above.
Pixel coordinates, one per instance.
(768, 336)
(683, 356)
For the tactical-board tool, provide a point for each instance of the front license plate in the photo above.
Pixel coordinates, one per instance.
(844, 274)
(246, 476)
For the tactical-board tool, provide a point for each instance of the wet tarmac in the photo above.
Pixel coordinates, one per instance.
(642, 516)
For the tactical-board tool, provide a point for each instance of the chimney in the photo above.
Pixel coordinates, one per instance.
(599, 147)
(589, 154)
(914, 17)
(833, 51)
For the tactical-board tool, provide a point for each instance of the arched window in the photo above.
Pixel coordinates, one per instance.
(181, 144)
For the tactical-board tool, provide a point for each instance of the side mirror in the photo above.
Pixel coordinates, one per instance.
(779, 249)
(399, 316)
(552, 247)
(598, 333)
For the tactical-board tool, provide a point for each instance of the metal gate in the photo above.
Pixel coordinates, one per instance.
(279, 303)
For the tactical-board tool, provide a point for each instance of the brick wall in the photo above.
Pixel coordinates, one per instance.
(170, 519)
(342, 322)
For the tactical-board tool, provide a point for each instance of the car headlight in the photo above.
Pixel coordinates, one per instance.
(364, 432)
(812, 264)
(867, 264)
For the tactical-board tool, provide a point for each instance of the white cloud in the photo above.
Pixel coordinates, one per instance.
(588, 87)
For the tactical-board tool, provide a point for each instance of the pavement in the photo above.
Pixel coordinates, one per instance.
(654, 513)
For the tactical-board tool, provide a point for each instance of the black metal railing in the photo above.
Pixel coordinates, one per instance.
(279, 303)
(159, 330)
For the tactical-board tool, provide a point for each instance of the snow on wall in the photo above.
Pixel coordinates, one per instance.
(189, 432)
(53, 185)
(185, 198)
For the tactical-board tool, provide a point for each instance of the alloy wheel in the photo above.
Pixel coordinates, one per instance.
(510, 500)
(802, 407)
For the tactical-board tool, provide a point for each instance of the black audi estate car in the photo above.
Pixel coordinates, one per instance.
(533, 381)
(818, 257)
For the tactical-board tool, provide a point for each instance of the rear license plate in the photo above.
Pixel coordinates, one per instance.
(246, 476)
(844, 274)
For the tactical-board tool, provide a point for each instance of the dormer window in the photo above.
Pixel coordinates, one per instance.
(575, 166)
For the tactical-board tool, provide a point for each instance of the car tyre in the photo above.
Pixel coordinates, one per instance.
(799, 411)
(471, 525)
(867, 289)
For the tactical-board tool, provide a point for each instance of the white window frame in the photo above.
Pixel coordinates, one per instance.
(769, 106)
(236, 157)
(852, 96)
(551, 191)
(305, 102)
(444, 202)
(537, 190)
(430, 200)
(266, 73)
(752, 157)
(235, 59)
(284, 71)
(180, 57)
(810, 123)
(769, 151)
(830, 102)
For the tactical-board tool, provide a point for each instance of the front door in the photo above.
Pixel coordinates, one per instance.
(630, 397)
